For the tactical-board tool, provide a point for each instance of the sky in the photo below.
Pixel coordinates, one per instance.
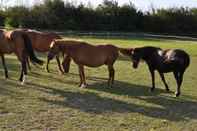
(143, 5)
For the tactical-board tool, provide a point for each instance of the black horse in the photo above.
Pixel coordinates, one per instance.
(164, 61)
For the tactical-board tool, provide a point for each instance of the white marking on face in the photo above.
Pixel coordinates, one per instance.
(52, 44)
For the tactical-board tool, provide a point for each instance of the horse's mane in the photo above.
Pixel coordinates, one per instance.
(71, 40)
(149, 49)
(33, 30)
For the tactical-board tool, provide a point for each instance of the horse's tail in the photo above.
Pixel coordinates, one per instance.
(126, 51)
(187, 60)
(30, 51)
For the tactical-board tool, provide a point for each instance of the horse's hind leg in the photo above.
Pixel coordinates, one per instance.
(28, 64)
(164, 81)
(23, 72)
(179, 78)
(24, 69)
(4, 66)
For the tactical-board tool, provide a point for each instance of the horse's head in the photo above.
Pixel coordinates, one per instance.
(54, 50)
(135, 56)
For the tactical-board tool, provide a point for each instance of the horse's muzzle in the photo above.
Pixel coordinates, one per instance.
(135, 64)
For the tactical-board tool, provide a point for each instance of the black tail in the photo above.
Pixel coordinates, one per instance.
(30, 51)
(187, 60)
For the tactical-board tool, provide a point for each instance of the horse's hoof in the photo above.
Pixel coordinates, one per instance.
(152, 89)
(177, 94)
(167, 90)
(22, 83)
(66, 71)
(61, 73)
(47, 70)
(83, 86)
(110, 86)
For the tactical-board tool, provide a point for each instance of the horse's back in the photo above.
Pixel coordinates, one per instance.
(91, 55)
(182, 56)
(174, 59)
(41, 40)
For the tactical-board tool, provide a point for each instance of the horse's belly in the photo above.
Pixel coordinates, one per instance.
(93, 65)
(165, 68)
(90, 61)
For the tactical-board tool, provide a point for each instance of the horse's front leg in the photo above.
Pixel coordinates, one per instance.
(164, 81)
(153, 79)
(59, 65)
(66, 64)
(47, 65)
(4, 66)
(82, 76)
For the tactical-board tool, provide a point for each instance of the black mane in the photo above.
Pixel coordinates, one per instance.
(147, 51)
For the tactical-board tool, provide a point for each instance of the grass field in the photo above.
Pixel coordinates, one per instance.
(50, 102)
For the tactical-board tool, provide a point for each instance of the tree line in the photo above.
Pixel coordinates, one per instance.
(108, 16)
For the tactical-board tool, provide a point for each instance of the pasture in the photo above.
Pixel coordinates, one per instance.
(50, 101)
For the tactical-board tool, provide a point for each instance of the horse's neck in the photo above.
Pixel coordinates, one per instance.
(153, 55)
(66, 48)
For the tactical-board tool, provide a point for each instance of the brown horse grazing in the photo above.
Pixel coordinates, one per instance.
(41, 43)
(19, 43)
(173, 60)
(84, 54)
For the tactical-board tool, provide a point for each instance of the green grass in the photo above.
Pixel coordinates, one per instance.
(49, 101)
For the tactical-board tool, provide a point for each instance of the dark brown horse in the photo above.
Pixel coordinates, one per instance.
(84, 54)
(173, 60)
(19, 43)
(41, 43)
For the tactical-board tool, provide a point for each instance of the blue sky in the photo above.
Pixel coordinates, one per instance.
(140, 4)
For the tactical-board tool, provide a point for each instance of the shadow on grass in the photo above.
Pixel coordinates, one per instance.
(100, 84)
(6, 88)
(173, 109)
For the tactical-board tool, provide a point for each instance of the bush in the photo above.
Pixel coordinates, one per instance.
(10, 23)
(108, 16)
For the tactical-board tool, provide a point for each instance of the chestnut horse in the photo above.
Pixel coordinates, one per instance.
(84, 54)
(41, 43)
(164, 61)
(19, 43)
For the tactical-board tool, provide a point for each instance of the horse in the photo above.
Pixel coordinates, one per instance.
(163, 61)
(85, 54)
(41, 42)
(19, 43)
